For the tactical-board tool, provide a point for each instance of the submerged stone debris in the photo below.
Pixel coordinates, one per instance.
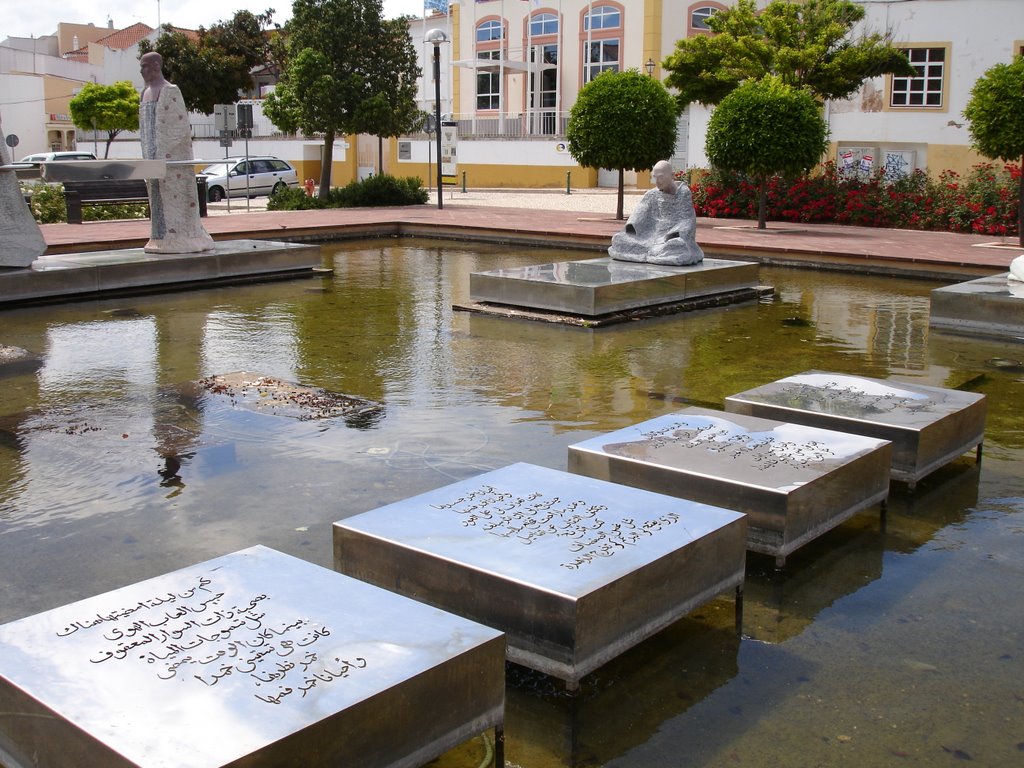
(267, 394)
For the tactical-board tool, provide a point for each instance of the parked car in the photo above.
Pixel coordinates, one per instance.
(46, 157)
(241, 177)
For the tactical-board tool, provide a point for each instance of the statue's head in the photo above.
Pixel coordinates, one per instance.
(664, 177)
(151, 65)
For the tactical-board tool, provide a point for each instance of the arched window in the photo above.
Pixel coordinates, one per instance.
(487, 31)
(543, 24)
(602, 41)
(699, 14)
(603, 17)
(490, 34)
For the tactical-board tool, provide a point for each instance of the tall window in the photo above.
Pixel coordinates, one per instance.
(601, 43)
(490, 34)
(925, 87)
(603, 55)
(545, 86)
(488, 84)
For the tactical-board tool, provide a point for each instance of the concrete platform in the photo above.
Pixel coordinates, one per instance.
(252, 659)
(132, 270)
(989, 306)
(927, 426)
(595, 288)
(794, 482)
(574, 570)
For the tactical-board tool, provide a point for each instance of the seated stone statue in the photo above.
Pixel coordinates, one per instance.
(1017, 270)
(663, 227)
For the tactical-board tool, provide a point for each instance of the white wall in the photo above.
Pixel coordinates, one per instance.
(21, 110)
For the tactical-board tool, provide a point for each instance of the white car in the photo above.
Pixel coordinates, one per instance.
(47, 157)
(241, 177)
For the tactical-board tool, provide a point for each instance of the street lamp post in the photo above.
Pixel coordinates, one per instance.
(649, 66)
(436, 37)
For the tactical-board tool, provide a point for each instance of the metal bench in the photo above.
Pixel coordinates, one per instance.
(102, 192)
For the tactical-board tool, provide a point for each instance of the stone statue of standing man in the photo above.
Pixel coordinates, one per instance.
(663, 227)
(165, 132)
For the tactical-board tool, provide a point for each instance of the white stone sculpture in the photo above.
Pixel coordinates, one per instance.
(21, 242)
(1017, 269)
(164, 128)
(663, 227)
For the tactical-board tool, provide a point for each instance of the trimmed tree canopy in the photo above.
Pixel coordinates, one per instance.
(622, 120)
(349, 71)
(996, 114)
(806, 44)
(111, 108)
(765, 127)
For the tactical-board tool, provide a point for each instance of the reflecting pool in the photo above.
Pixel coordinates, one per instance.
(890, 644)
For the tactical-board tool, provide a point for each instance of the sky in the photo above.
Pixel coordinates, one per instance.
(40, 17)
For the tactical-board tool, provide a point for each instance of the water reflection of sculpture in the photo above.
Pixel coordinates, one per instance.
(165, 134)
(663, 227)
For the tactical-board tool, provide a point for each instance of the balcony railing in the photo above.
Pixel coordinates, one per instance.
(537, 124)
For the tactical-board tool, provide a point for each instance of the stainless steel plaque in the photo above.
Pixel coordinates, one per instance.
(989, 306)
(255, 658)
(928, 426)
(103, 170)
(795, 482)
(574, 570)
(595, 287)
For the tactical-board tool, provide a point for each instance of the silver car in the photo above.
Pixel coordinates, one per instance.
(242, 177)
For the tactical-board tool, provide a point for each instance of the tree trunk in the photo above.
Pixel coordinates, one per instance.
(622, 193)
(325, 168)
(762, 203)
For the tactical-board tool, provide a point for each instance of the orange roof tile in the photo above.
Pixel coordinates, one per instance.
(125, 38)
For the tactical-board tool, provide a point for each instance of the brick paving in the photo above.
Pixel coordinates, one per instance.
(583, 218)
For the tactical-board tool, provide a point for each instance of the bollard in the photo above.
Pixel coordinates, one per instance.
(463, 182)
(568, 182)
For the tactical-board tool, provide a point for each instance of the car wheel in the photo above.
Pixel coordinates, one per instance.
(216, 194)
(278, 187)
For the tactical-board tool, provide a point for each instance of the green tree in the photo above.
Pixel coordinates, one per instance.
(110, 108)
(622, 120)
(348, 71)
(808, 45)
(765, 127)
(996, 114)
(213, 65)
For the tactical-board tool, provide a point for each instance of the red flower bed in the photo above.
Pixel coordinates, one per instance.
(983, 202)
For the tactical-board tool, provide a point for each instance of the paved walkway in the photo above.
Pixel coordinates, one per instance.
(585, 217)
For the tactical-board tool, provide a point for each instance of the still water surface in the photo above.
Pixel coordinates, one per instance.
(901, 645)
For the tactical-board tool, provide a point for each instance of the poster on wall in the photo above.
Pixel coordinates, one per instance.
(449, 147)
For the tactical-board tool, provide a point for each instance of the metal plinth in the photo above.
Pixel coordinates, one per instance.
(595, 287)
(989, 306)
(132, 270)
(255, 659)
(927, 426)
(794, 482)
(574, 570)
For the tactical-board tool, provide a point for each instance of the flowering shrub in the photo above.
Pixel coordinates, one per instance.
(983, 202)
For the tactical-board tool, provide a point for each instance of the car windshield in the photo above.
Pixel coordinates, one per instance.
(217, 169)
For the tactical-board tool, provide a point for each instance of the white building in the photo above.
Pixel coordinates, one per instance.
(513, 69)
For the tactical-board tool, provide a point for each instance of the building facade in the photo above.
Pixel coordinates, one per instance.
(513, 69)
